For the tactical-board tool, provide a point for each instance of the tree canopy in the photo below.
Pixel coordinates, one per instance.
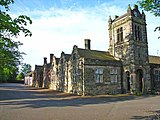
(152, 6)
(25, 69)
(10, 29)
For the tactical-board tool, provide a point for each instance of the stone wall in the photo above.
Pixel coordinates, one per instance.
(107, 87)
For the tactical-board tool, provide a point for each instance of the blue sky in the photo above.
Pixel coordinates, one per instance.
(58, 25)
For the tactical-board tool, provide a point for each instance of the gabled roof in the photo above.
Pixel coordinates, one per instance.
(122, 16)
(154, 59)
(95, 54)
(38, 67)
(67, 56)
(57, 60)
(48, 65)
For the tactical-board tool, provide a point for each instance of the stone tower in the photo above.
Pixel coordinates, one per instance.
(128, 43)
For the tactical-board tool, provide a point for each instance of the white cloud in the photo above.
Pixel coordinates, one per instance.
(58, 29)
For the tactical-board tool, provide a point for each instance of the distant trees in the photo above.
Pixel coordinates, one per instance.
(10, 28)
(152, 6)
(25, 69)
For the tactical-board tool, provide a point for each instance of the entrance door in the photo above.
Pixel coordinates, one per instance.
(128, 80)
(139, 75)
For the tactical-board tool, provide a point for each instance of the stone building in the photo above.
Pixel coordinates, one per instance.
(94, 72)
(125, 68)
(63, 72)
(28, 79)
(128, 43)
(46, 73)
(154, 62)
(54, 84)
(37, 76)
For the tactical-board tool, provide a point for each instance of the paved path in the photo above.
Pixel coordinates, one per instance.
(18, 102)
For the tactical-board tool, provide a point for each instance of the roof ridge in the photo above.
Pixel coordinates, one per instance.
(94, 50)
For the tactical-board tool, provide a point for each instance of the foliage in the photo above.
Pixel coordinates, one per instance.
(10, 56)
(26, 68)
(152, 6)
(20, 76)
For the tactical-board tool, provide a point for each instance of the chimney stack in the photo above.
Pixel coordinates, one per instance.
(87, 44)
(51, 58)
(45, 60)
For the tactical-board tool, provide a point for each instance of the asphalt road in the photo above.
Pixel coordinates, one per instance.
(19, 102)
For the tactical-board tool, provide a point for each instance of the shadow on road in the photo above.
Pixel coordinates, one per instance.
(155, 116)
(22, 97)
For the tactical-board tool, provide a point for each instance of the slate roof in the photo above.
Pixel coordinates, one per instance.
(67, 56)
(57, 60)
(119, 17)
(38, 67)
(95, 54)
(48, 65)
(154, 59)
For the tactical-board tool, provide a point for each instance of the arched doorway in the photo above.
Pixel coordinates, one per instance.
(128, 80)
(139, 76)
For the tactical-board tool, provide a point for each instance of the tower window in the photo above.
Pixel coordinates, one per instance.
(119, 35)
(137, 33)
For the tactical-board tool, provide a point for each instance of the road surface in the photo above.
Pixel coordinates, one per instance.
(19, 102)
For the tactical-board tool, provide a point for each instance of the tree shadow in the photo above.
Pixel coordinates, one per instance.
(155, 116)
(22, 97)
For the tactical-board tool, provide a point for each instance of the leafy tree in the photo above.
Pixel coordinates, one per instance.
(25, 69)
(10, 29)
(20, 76)
(152, 6)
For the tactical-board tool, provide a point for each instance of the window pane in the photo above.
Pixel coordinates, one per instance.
(115, 78)
(96, 71)
(97, 78)
(100, 71)
(101, 78)
(112, 79)
(99, 75)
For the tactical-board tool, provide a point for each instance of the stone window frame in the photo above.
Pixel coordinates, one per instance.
(99, 75)
(137, 32)
(157, 75)
(119, 34)
(113, 75)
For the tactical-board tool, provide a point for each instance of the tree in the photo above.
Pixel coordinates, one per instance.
(152, 6)
(10, 29)
(20, 76)
(25, 69)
